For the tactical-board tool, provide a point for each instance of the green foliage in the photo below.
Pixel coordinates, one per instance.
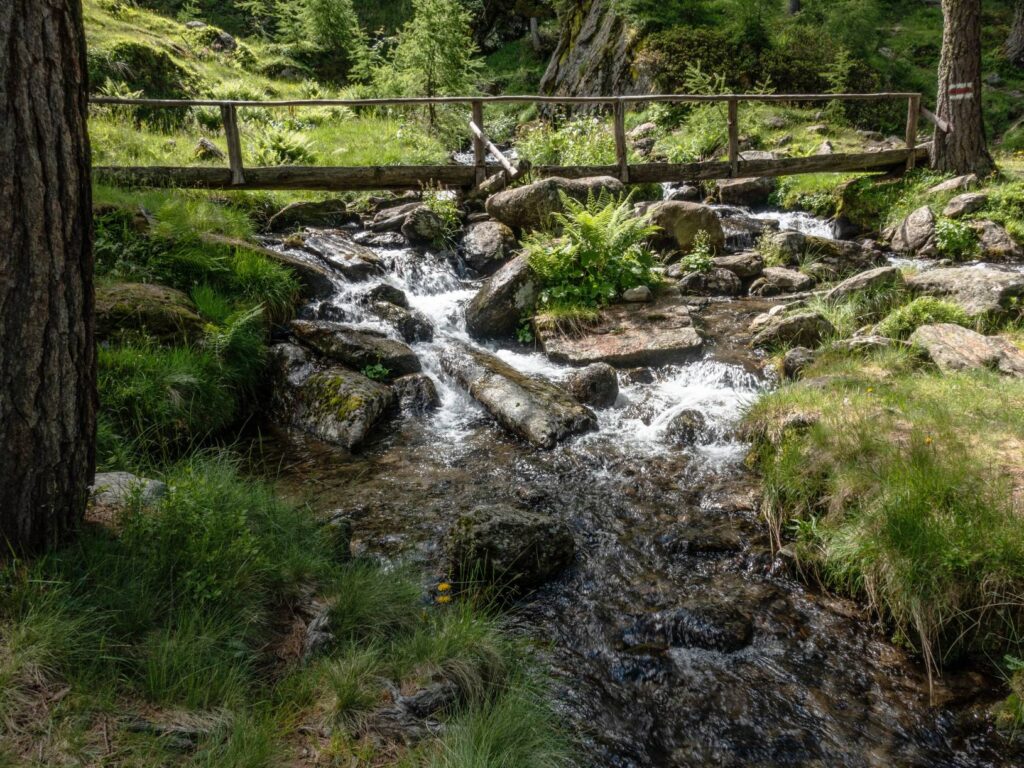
(580, 140)
(444, 204)
(601, 252)
(701, 256)
(901, 495)
(924, 310)
(955, 239)
(376, 372)
(279, 146)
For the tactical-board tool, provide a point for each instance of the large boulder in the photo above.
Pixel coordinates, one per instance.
(424, 227)
(804, 329)
(165, 314)
(680, 222)
(956, 184)
(540, 412)
(995, 242)
(832, 258)
(979, 291)
(916, 233)
(776, 280)
(119, 489)
(324, 213)
(955, 348)
(872, 280)
(627, 336)
(333, 404)
(353, 261)
(411, 324)
(498, 308)
(596, 385)
(745, 265)
(416, 393)
(748, 191)
(317, 279)
(961, 205)
(356, 348)
(530, 207)
(714, 282)
(487, 245)
(509, 547)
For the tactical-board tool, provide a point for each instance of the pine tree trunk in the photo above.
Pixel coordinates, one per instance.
(963, 148)
(47, 350)
(793, 7)
(538, 46)
(1015, 42)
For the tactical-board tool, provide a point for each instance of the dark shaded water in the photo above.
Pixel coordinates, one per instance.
(676, 639)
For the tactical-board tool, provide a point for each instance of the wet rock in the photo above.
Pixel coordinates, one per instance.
(873, 279)
(356, 348)
(323, 213)
(628, 335)
(499, 306)
(686, 427)
(954, 348)
(530, 207)
(961, 205)
(744, 265)
(684, 192)
(423, 226)
(333, 404)
(838, 258)
(487, 246)
(596, 385)
(968, 181)
(680, 222)
(980, 291)
(753, 191)
(510, 547)
(379, 239)
(796, 361)
(702, 539)
(776, 280)
(742, 230)
(640, 293)
(805, 329)
(532, 408)
(353, 261)
(712, 626)
(416, 393)
(386, 293)
(916, 233)
(207, 150)
(165, 314)
(392, 218)
(118, 489)
(411, 324)
(323, 310)
(995, 242)
(714, 282)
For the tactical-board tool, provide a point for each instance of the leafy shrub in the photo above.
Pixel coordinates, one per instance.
(443, 203)
(955, 239)
(601, 252)
(579, 141)
(279, 146)
(924, 310)
(700, 258)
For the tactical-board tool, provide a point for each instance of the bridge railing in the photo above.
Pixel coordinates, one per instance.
(400, 176)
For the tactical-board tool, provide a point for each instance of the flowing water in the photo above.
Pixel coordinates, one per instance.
(677, 639)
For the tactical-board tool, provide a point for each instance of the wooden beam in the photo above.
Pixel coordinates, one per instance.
(414, 176)
(733, 122)
(479, 148)
(913, 110)
(935, 120)
(496, 153)
(621, 150)
(230, 117)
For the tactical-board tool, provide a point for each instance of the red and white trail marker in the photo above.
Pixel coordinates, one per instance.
(961, 91)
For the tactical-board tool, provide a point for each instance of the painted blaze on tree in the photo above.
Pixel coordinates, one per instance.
(47, 352)
(962, 148)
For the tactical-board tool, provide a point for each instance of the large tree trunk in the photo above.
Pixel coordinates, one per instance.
(1015, 42)
(962, 148)
(47, 351)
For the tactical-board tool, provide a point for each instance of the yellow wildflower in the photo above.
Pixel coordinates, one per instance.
(444, 586)
(928, 440)
(444, 599)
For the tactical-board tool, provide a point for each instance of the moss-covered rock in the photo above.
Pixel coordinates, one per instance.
(163, 313)
(142, 67)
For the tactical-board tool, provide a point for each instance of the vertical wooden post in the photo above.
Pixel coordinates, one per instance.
(913, 110)
(479, 150)
(734, 136)
(230, 117)
(621, 151)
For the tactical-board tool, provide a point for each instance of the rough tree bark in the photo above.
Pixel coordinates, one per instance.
(1015, 41)
(962, 149)
(47, 351)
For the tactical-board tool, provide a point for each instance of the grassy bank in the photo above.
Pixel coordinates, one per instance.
(173, 635)
(903, 486)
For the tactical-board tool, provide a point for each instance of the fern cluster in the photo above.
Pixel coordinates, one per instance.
(602, 251)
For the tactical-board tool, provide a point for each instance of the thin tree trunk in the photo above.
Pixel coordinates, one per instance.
(1015, 42)
(47, 351)
(535, 34)
(963, 148)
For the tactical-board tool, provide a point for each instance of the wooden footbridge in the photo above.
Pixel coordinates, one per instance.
(488, 160)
